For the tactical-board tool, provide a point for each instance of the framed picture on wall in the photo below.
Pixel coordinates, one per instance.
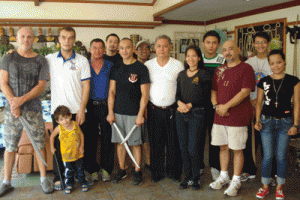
(244, 35)
(184, 43)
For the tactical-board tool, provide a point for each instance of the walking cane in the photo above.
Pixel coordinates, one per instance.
(57, 166)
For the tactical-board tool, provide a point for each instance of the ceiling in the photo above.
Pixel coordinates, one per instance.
(206, 10)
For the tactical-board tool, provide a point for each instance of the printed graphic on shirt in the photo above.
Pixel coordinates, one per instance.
(195, 80)
(258, 76)
(220, 59)
(266, 91)
(133, 78)
(220, 73)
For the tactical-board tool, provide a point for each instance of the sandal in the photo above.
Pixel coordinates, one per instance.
(68, 189)
(85, 188)
(57, 186)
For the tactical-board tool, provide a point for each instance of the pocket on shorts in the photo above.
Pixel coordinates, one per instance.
(264, 120)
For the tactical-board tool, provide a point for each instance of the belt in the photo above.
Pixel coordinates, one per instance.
(161, 107)
(270, 117)
(98, 103)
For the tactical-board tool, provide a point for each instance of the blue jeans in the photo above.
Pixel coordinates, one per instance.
(275, 140)
(190, 129)
(72, 169)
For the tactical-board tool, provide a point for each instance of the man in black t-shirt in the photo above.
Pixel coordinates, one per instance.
(112, 43)
(127, 100)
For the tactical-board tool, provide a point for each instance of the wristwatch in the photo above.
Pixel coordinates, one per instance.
(215, 106)
(296, 126)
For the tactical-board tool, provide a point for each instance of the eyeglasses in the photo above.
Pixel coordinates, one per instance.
(263, 42)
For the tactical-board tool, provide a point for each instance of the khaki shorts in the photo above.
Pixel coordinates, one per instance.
(234, 137)
(13, 129)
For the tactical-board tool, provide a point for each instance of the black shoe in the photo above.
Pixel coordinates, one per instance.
(184, 184)
(119, 176)
(137, 178)
(196, 185)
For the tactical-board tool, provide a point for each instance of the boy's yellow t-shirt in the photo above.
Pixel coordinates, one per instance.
(69, 143)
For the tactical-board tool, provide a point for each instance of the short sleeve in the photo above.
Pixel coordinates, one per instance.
(214, 83)
(145, 75)
(112, 74)
(248, 78)
(5, 61)
(44, 72)
(86, 70)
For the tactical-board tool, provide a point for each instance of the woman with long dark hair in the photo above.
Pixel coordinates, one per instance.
(192, 97)
(276, 120)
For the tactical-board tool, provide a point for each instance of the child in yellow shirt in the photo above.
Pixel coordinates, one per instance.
(71, 146)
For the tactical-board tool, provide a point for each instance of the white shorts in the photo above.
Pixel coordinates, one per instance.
(234, 137)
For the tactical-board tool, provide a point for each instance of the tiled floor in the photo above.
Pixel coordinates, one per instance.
(165, 189)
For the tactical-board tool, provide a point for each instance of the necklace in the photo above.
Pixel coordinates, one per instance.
(277, 91)
(193, 70)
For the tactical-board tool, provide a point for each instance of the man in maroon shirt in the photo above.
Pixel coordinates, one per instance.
(231, 87)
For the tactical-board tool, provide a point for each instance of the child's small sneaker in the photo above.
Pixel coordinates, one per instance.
(219, 183)
(105, 176)
(280, 194)
(233, 188)
(262, 192)
(95, 177)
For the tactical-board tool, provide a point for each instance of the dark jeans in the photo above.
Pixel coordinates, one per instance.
(214, 151)
(164, 143)
(191, 129)
(96, 116)
(73, 168)
(60, 165)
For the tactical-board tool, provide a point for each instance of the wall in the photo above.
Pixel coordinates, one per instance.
(79, 11)
(289, 13)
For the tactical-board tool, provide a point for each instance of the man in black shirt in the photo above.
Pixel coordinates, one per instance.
(112, 43)
(127, 100)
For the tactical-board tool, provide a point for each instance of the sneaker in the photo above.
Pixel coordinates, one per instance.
(137, 178)
(196, 185)
(184, 184)
(215, 173)
(5, 188)
(279, 194)
(190, 182)
(219, 183)
(119, 176)
(95, 177)
(105, 176)
(246, 176)
(262, 192)
(46, 186)
(88, 178)
(233, 188)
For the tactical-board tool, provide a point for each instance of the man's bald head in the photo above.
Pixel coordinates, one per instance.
(230, 51)
(25, 38)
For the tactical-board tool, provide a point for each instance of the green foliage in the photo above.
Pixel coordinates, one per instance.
(4, 49)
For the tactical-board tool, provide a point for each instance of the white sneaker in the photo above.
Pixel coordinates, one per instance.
(219, 183)
(105, 176)
(95, 177)
(215, 173)
(233, 188)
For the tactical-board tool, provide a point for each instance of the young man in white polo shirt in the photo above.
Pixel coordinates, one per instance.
(163, 71)
(70, 86)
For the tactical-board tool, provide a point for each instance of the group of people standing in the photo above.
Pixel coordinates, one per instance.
(172, 104)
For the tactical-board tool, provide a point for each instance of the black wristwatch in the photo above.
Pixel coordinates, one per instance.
(296, 126)
(215, 106)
